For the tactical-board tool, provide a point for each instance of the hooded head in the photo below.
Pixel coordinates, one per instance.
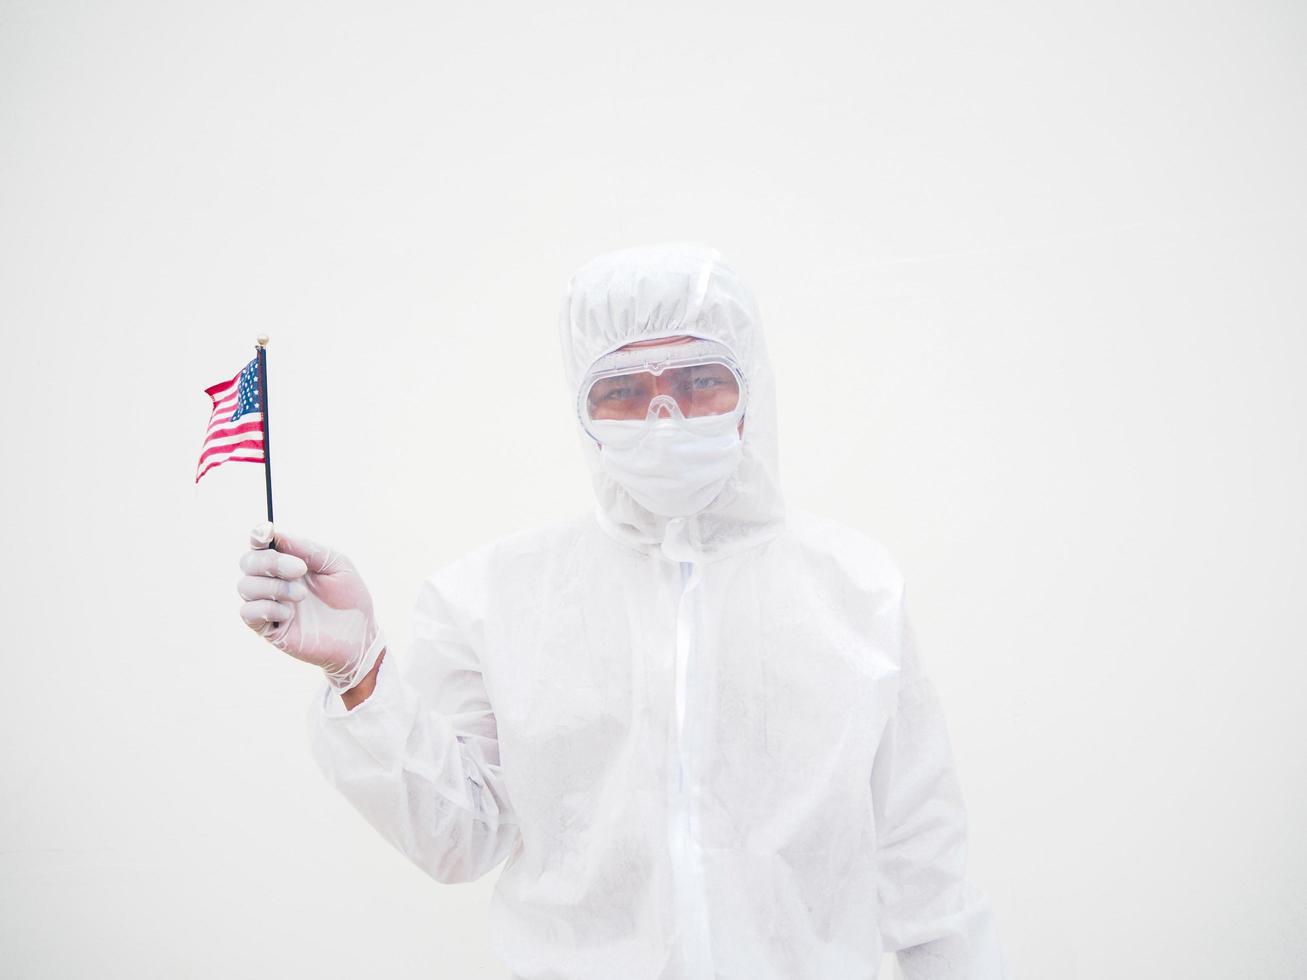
(656, 291)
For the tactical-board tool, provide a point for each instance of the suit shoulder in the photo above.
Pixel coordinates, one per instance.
(857, 554)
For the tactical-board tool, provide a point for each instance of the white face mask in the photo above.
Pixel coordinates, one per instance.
(676, 467)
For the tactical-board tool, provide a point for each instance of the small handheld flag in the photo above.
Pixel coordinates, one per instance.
(238, 423)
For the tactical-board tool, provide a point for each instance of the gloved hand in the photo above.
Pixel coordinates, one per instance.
(309, 601)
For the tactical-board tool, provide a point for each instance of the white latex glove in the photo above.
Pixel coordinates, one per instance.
(309, 601)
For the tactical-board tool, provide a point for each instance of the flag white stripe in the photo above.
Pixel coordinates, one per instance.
(234, 441)
(219, 419)
(222, 457)
(234, 457)
(227, 386)
(220, 438)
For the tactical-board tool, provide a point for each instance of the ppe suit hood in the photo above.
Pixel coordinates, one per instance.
(661, 291)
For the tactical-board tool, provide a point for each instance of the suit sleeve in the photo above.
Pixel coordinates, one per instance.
(419, 759)
(936, 921)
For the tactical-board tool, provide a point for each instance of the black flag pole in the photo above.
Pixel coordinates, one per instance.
(261, 348)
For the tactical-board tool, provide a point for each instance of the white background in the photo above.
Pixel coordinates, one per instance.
(1033, 280)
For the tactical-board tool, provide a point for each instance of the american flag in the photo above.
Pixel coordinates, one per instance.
(236, 424)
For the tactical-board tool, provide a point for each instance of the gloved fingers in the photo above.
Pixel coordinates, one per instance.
(273, 564)
(318, 557)
(265, 587)
(263, 612)
(261, 536)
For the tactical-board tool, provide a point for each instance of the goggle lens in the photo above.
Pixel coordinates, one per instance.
(698, 390)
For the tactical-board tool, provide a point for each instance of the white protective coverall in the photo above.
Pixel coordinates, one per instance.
(702, 747)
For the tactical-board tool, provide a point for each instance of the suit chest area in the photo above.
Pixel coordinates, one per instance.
(755, 679)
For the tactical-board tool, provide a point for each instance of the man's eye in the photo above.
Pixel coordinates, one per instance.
(619, 394)
(707, 382)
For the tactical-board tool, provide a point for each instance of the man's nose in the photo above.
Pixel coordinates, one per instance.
(664, 406)
(665, 386)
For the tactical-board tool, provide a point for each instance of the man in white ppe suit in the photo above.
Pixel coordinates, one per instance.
(692, 725)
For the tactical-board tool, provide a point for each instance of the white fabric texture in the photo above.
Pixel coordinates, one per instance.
(675, 467)
(700, 747)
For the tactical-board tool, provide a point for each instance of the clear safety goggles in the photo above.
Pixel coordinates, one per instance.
(698, 380)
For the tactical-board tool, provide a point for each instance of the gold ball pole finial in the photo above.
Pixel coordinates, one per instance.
(262, 340)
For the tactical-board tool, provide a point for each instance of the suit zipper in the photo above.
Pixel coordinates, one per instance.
(688, 871)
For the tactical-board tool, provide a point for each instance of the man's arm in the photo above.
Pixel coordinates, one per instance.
(937, 922)
(416, 752)
(362, 691)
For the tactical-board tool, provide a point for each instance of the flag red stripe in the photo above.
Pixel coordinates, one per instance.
(233, 459)
(226, 420)
(218, 391)
(246, 444)
(221, 453)
(222, 411)
(226, 453)
(220, 435)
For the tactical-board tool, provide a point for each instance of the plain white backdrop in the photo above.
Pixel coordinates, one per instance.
(1033, 280)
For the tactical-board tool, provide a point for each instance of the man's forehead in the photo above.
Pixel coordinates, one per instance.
(670, 351)
(658, 342)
